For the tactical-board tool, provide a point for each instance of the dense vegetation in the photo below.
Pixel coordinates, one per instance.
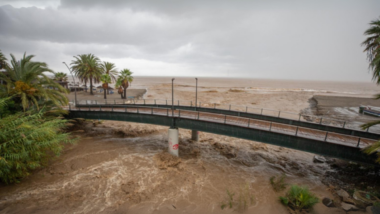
(372, 48)
(299, 198)
(31, 127)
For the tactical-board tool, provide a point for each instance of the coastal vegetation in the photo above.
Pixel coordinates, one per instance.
(299, 198)
(124, 80)
(31, 127)
(241, 201)
(372, 48)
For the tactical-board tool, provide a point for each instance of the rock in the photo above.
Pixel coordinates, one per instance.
(343, 194)
(361, 200)
(319, 159)
(349, 201)
(349, 207)
(328, 202)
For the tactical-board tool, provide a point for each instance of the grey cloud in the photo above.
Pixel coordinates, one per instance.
(277, 39)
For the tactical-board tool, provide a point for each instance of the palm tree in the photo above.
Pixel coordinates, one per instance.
(87, 67)
(27, 83)
(109, 69)
(120, 88)
(106, 79)
(60, 76)
(372, 47)
(3, 61)
(125, 78)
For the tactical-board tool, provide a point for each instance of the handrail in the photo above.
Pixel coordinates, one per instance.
(225, 121)
(319, 119)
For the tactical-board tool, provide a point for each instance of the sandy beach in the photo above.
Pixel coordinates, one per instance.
(122, 167)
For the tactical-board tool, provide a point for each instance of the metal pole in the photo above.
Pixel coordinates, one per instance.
(179, 113)
(230, 107)
(225, 118)
(367, 129)
(270, 127)
(75, 87)
(249, 121)
(125, 108)
(172, 96)
(96, 102)
(320, 121)
(198, 115)
(100, 108)
(279, 112)
(246, 109)
(261, 111)
(196, 93)
(299, 119)
(214, 105)
(358, 142)
(296, 130)
(344, 124)
(326, 136)
(144, 101)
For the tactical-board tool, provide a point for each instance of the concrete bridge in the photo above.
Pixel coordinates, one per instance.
(316, 137)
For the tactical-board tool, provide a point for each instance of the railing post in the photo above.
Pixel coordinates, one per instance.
(88, 108)
(114, 101)
(225, 119)
(100, 108)
(326, 136)
(320, 121)
(299, 119)
(179, 113)
(86, 102)
(137, 109)
(270, 126)
(279, 112)
(96, 102)
(261, 111)
(249, 121)
(79, 108)
(152, 110)
(106, 102)
(112, 108)
(167, 112)
(155, 102)
(214, 105)
(246, 109)
(358, 142)
(125, 108)
(230, 107)
(166, 102)
(344, 124)
(198, 115)
(144, 101)
(178, 102)
(296, 130)
(191, 103)
(367, 129)
(69, 107)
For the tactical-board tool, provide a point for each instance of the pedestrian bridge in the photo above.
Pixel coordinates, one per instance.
(315, 137)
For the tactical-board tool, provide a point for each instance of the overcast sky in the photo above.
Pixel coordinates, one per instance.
(295, 39)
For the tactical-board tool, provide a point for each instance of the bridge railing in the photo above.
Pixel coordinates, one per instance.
(287, 129)
(327, 121)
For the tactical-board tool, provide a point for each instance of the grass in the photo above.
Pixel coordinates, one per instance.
(299, 198)
(278, 183)
(211, 91)
(241, 201)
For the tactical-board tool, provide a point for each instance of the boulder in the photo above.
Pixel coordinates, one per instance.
(343, 194)
(364, 199)
(328, 202)
(349, 207)
(319, 159)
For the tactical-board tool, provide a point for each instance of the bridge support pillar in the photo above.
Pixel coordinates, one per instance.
(173, 141)
(194, 135)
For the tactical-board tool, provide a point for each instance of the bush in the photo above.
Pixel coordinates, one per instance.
(243, 200)
(278, 183)
(299, 198)
(27, 139)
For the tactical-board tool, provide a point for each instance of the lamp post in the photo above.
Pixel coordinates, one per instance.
(173, 97)
(196, 93)
(74, 82)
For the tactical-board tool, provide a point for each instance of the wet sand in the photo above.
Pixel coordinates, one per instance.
(120, 167)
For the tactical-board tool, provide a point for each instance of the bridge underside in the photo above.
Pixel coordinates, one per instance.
(278, 139)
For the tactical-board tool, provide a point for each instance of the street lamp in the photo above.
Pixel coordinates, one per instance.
(196, 93)
(74, 83)
(173, 97)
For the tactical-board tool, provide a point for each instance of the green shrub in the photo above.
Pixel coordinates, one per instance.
(278, 183)
(27, 139)
(299, 198)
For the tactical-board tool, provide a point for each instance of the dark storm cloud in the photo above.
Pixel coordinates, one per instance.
(276, 39)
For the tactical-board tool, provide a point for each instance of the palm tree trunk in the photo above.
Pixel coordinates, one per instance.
(105, 94)
(91, 86)
(121, 95)
(125, 93)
